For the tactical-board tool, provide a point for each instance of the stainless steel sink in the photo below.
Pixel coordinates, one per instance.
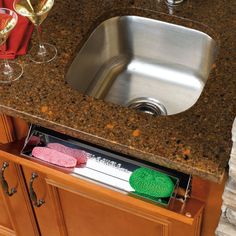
(143, 63)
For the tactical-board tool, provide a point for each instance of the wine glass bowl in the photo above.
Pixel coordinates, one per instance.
(9, 71)
(7, 23)
(37, 11)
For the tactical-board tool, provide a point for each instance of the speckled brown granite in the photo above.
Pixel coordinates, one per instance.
(197, 141)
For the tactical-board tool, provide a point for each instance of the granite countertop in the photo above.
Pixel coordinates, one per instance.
(197, 141)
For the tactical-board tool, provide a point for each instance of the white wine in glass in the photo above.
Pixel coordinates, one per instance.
(9, 71)
(36, 11)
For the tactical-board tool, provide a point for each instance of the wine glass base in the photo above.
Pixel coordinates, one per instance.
(49, 55)
(15, 74)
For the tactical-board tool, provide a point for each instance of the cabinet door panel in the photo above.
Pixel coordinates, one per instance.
(18, 205)
(86, 217)
(4, 218)
(46, 219)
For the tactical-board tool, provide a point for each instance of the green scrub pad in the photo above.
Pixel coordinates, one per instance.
(151, 182)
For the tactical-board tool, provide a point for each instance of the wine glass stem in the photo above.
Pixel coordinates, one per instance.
(42, 50)
(7, 70)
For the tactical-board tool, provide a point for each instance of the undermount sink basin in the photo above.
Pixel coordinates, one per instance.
(150, 65)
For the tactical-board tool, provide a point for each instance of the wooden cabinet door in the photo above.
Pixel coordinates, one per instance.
(86, 217)
(83, 216)
(41, 202)
(17, 216)
(85, 209)
(5, 222)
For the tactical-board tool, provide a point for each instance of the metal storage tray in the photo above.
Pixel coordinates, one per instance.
(106, 167)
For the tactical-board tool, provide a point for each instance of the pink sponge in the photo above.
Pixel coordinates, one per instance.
(80, 155)
(54, 157)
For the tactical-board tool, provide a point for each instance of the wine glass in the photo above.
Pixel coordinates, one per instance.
(9, 71)
(36, 11)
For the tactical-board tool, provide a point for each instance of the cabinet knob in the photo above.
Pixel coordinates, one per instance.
(33, 196)
(4, 183)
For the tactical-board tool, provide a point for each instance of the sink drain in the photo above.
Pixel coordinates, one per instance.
(148, 105)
